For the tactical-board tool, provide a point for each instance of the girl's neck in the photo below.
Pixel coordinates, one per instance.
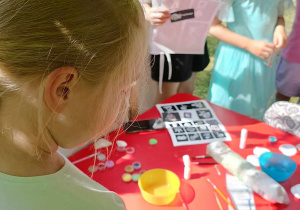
(20, 152)
(25, 160)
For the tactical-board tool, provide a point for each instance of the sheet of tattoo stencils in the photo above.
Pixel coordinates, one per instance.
(192, 122)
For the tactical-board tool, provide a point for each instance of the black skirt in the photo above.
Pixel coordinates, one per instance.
(183, 65)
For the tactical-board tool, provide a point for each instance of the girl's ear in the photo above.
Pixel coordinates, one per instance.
(58, 88)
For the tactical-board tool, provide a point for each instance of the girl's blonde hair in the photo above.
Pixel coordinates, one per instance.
(104, 40)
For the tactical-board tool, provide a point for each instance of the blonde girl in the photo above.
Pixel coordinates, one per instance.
(66, 73)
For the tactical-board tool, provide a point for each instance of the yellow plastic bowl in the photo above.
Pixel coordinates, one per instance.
(159, 186)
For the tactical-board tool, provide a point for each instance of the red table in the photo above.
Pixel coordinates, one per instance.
(164, 155)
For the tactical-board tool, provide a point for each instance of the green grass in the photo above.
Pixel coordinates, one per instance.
(203, 78)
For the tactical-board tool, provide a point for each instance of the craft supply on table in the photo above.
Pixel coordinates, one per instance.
(187, 166)
(272, 139)
(243, 139)
(129, 168)
(101, 166)
(241, 195)
(295, 190)
(93, 169)
(218, 172)
(279, 167)
(102, 143)
(253, 159)
(220, 193)
(201, 157)
(159, 186)
(288, 149)
(257, 180)
(121, 146)
(218, 201)
(152, 141)
(192, 123)
(101, 157)
(136, 165)
(110, 164)
(126, 177)
(135, 177)
(130, 150)
(258, 151)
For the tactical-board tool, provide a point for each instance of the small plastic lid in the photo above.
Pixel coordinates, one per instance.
(110, 164)
(121, 143)
(288, 149)
(130, 150)
(295, 190)
(152, 141)
(93, 169)
(135, 177)
(101, 157)
(101, 166)
(126, 177)
(136, 165)
(129, 169)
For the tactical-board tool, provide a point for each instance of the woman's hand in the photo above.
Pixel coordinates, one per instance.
(280, 38)
(261, 49)
(157, 17)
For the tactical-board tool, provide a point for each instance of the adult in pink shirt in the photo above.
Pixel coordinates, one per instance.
(288, 71)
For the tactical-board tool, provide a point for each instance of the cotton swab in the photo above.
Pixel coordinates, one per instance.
(201, 156)
(218, 201)
(219, 173)
(220, 193)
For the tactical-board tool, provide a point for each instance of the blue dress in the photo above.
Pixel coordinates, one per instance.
(241, 81)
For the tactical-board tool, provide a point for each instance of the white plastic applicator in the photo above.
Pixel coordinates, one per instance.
(244, 133)
(187, 166)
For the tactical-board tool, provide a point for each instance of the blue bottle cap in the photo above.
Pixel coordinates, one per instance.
(136, 165)
(272, 139)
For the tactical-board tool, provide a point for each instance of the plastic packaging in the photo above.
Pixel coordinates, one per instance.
(257, 180)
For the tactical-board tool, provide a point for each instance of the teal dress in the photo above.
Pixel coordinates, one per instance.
(241, 81)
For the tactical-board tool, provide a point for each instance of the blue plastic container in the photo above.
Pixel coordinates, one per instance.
(277, 166)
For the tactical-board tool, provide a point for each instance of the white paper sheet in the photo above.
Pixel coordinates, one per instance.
(241, 194)
(192, 122)
(186, 32)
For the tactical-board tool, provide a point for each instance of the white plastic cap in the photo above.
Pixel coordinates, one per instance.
(243, 139)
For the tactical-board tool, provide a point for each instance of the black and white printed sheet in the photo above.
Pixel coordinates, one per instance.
(192, 122)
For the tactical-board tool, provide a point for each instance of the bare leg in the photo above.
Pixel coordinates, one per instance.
(281, 97)
(188, 85)
(168, 89)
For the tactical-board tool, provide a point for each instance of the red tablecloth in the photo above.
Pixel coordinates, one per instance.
(164, 155)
